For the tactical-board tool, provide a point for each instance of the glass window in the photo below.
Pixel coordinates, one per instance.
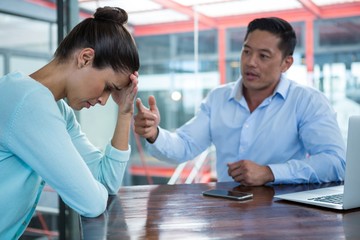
(339, 32)
(207, 43)
(26, 65)
(188, 66)
(155, 68)
(153, 47)
(26, 34)
(236, 39)
(2, 65)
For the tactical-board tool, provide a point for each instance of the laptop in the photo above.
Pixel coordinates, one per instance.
(342, 197)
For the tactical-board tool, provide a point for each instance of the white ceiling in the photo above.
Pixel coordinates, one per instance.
(145, 12)
(20, 32)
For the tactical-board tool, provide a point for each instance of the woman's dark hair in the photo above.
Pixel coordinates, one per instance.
(105, 33)
(278, 27)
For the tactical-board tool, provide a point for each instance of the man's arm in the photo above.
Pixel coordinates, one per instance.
(184, 144)
(320, 135)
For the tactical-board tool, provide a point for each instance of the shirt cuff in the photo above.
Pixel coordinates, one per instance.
(281, 173)
(116, 154)
(159, 142)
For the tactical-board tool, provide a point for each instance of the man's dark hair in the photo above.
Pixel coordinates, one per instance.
(278, 27)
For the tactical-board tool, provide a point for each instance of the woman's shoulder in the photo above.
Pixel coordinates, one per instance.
(23, 95)
(17, 86)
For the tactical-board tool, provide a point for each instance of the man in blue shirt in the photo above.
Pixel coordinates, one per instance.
(265, 127)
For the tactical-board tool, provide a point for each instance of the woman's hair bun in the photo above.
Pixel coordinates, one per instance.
(111, 14)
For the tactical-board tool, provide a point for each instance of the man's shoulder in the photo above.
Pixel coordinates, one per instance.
(223, 88)
(295, 87)
(220, 93)
(304, 95)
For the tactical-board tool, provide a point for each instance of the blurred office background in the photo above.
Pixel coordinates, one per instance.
(188, 47)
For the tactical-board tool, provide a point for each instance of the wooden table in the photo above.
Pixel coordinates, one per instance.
(182, 212)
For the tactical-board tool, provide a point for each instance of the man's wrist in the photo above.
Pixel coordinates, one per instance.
(153, 139)
(271, 177)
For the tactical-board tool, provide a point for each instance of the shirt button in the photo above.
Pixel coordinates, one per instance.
(246, 125)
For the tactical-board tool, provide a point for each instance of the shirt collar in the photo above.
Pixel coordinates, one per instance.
(236, 91)
(282, 88)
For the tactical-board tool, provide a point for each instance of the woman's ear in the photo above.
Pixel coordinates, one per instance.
(85, 57)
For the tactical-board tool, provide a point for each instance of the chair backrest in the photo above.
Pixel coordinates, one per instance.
(199, 169)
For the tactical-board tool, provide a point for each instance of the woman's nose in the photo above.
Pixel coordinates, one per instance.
(103, 98)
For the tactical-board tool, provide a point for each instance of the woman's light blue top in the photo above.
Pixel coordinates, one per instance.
(41, 141)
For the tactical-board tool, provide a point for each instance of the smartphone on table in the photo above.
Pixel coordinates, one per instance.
(230, 194)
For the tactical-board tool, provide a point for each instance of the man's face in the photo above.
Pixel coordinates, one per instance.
(262, 62)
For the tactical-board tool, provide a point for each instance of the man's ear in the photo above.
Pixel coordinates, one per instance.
(288, 61)
(85, 57)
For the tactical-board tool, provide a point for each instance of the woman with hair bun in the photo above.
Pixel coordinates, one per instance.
(40, 138)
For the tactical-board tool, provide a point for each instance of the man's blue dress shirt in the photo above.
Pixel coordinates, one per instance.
(294, 132)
